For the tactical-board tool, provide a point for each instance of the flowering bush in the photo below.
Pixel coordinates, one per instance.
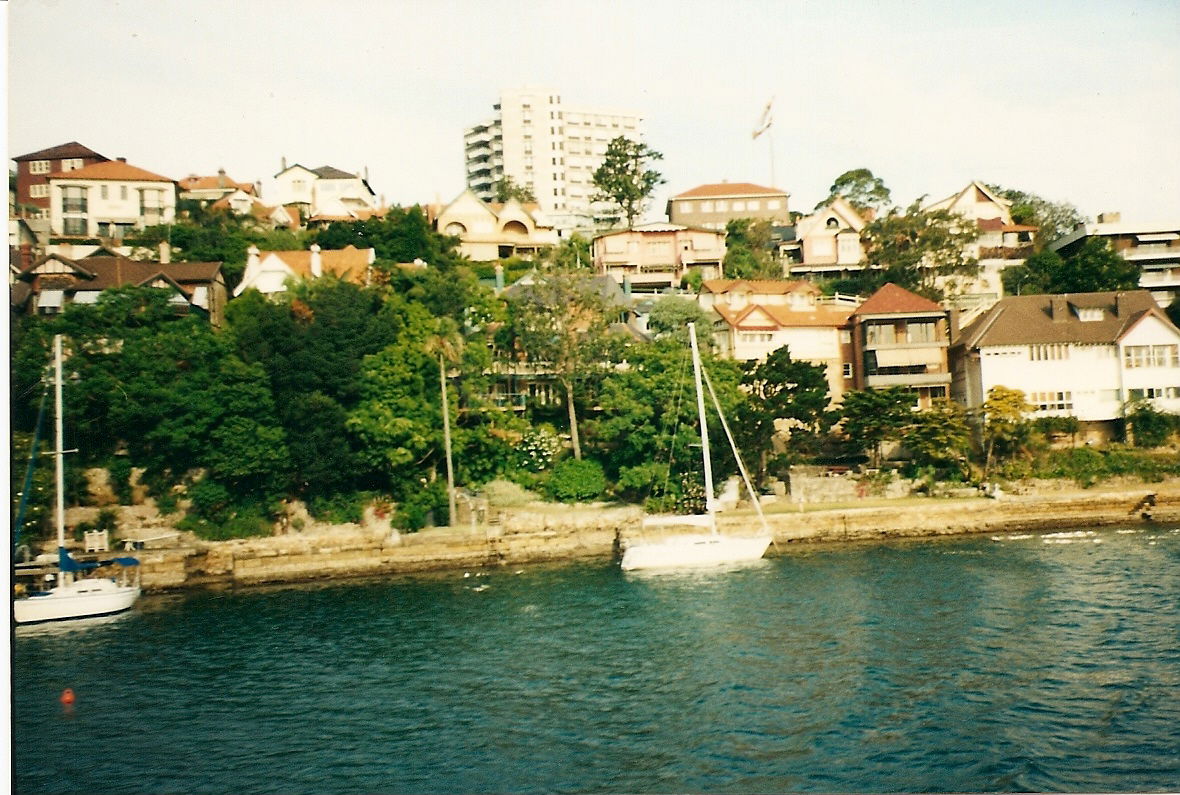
(536, 449)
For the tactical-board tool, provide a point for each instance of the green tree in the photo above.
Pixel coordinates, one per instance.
(403, 235)
(1090, 268)
(1004, 430)
(874, 416)
(780, 389)
(507, 189)
(671, 314)
(940, 437)
(447, 345)
(624, 178)
(860, 189)
(748, 250)
(570, 254)
(1150, 427)
(1053, 220)
(560, 323)
(920, 250)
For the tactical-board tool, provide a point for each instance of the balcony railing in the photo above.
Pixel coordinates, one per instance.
(1005, 252)
(73, 206)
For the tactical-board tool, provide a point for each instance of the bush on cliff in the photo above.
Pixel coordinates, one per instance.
(575, 480)
(506, 494)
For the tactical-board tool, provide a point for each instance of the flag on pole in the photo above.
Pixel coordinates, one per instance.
(765, 121)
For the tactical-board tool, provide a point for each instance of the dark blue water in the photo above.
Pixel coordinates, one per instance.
(1029, 663)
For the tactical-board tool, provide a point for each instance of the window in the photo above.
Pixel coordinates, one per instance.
(123, 192)
(686, 207)
(706, 207)
(1048, 353)
(748, 336)
(1137, 356)
(739, 206)
(880, 334)
(848, 369)
(1052, 401)
(39, 167)
(102, 191)
(751, 206)
(73, 199)
(72, 164)
(846, 336)
(1152, 392)
(920, 332)
(38, 191)
(772, 204)
(73, 226)
(722, 206)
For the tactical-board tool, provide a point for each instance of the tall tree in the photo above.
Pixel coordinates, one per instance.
(560, 322)
(920, 250)
(748, 250)
(671, 314)
(1090, 268)
(860, 189)
(624, 178)
(447, 344)
(1053, 220)
(875, 416)
(940, 436)
(1002, 424)
(507, 188)
(573, 252)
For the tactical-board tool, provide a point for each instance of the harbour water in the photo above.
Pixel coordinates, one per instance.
(1007, 663)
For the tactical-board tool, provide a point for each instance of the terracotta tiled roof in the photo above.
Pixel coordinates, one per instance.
(348, 263)
(112, 170)
(729, 189)
(894, 300)
(101, 273)
(194, 182)
(1031, 319)
(71, 150)
(761, 286)
(990, 224)
(751, 317)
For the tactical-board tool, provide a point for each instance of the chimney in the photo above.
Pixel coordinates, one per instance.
(26, 255)
(366, 173)
(953, 325)
(499, 278)
(1120, 304)
(627, 285)
(221, 177)
(121, 159)
(283, 160)
(1109, 218)
(1059, 308)
(317, 264)
(252, 257)
(165, 252)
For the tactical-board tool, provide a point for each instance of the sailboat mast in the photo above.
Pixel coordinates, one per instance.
(60, 471)
(696, 374)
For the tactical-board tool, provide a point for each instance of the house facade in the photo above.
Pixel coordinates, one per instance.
(489, 231)
(901, 339)
(715, 205)
(324, 193)
(269, 271)
(548, 146)
(754, 318)
(54, 281)
(826, 244)
(208, 190)
(1155, 248)
(33, 170)
(654, 257)
(109, 199)
(1084, 355)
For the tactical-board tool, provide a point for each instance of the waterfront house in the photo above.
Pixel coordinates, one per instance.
(654, 257)
(901, 339)
(826, 244)
(491, 230)
(207, 190)
(108, 200)
(1154, 247)
(33, 170)
(715, 205)
(1083, 355)
(268, 272)
(326, 193)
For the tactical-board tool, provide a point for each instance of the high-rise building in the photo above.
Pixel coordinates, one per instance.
(546, 146)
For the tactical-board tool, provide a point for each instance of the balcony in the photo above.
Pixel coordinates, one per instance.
(1005, 252)
(907, 379)
(74, 206)
(1153, 251)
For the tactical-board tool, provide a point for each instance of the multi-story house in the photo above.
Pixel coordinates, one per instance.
(325, 192)
(242, 204)
(208, 190)
(33, 170)
(1155, 248)
(547, 146)
(1084, 355)
(54, 281)
(756, 317)
(109, 199)
(269, 271)
(654, 257)
(901, 339)
(713, 206)
(826, 243)
(489, 230)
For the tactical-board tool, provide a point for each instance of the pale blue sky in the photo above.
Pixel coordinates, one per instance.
(1076, 101)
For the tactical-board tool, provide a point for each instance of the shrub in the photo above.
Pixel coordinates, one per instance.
(506, 494)
(575, 480)
(1150, 428)
(211, 501)
(120, 472)
(421, 506)
(341, 508)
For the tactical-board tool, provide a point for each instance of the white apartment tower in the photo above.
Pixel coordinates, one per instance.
(551, 148)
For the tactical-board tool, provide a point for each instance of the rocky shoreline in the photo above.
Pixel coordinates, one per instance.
(563, 533)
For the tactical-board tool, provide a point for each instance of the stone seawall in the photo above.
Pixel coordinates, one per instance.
(558, 534)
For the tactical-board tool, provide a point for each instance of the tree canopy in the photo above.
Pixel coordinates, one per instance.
(625, 180)
(748, 253)
(1092, 267)
(860, 188)
(920, 250)
(1053, 220)
(506, 188)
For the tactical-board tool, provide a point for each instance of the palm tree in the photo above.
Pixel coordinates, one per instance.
(447, 344)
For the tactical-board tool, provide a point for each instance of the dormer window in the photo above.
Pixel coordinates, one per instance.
(833, 223)
(1089, 314)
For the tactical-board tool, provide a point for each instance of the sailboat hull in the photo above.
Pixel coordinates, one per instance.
(695, 550)
(79, 599)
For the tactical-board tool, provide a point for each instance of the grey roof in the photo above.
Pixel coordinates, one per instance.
(1031, 319)
(330, 172)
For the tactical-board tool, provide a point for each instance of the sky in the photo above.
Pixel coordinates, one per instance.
(1076, 101)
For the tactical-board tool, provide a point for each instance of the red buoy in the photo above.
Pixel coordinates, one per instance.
(67, 696)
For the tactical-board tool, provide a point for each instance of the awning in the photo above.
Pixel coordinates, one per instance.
(50, 299)
(86, 297)
(1161, 237)
(908, 357)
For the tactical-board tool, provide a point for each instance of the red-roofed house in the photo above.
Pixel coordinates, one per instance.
(209, 189)
(268, 272)
(653, 257)
(32, 170)
(900, 339)
(713, 206)
(109, 199)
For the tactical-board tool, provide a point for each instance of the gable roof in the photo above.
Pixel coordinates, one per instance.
(331, 172)
(759, 286)
(101, 273)
(1031, 319)
(894, 300)
(349, 263)
(766, 317)
(729, 189)
(111, 170)
(61, 151)
(193, 182)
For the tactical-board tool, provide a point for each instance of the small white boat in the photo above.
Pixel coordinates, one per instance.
(711, 548)
(71, 596)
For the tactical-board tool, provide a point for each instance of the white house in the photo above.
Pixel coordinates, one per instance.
(324, 192)
(489, 231)
(654, 257)
(1084, 355)
(109, 199)
(268, 272)
(827, 242)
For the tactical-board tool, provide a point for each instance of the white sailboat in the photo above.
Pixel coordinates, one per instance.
(72, 596)
(700, 549)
